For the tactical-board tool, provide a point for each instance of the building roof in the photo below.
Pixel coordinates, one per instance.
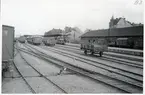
(96, 33)
(53, 32)
(7, 26)
(115, 21)
(122, 32)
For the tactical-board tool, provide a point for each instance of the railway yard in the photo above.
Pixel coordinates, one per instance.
(72, 47)
(66, 69)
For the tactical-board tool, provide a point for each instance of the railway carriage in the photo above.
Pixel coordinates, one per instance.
(8, 42)
(30, 40)
(129, 37)
(37, 40)
(49, 41)
(22, 39)
(7, 45)
(125, 42)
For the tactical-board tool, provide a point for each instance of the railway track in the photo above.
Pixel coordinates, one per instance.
(105, 57)
(41, 75)
(85, 57)
(21, 74)
(32, 90)
(128, 89)
(110, 49)
(106, 67)
(26, 51)
(117, 51)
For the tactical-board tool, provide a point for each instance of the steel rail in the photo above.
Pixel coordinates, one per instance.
(84, 70)
(42, 74)
(32, 90)
(96, 65)
(113, 60)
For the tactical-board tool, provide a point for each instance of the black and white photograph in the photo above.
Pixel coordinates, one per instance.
(72, 46)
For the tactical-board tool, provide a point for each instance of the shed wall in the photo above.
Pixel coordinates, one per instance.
(7, 42)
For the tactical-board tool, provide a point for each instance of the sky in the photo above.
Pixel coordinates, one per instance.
(34, 17)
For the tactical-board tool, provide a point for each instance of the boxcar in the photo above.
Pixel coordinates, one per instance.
(29, 40)
(50, 41)
(37, 40)
(22, 39)
(7, 44)
(124, 42)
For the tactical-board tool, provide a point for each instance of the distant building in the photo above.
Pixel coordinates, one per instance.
(87, 30)
(54, 32)
(116, 32)
(73, 34)
(67, 29)
(119, 23)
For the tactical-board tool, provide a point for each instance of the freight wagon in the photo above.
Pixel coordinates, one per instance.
(37, 40)
(124, 42)
(7, 44)
(60, 40)
(50, 41)
(30, 40)
(130, 37)
(34, 39)
(22, 39)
